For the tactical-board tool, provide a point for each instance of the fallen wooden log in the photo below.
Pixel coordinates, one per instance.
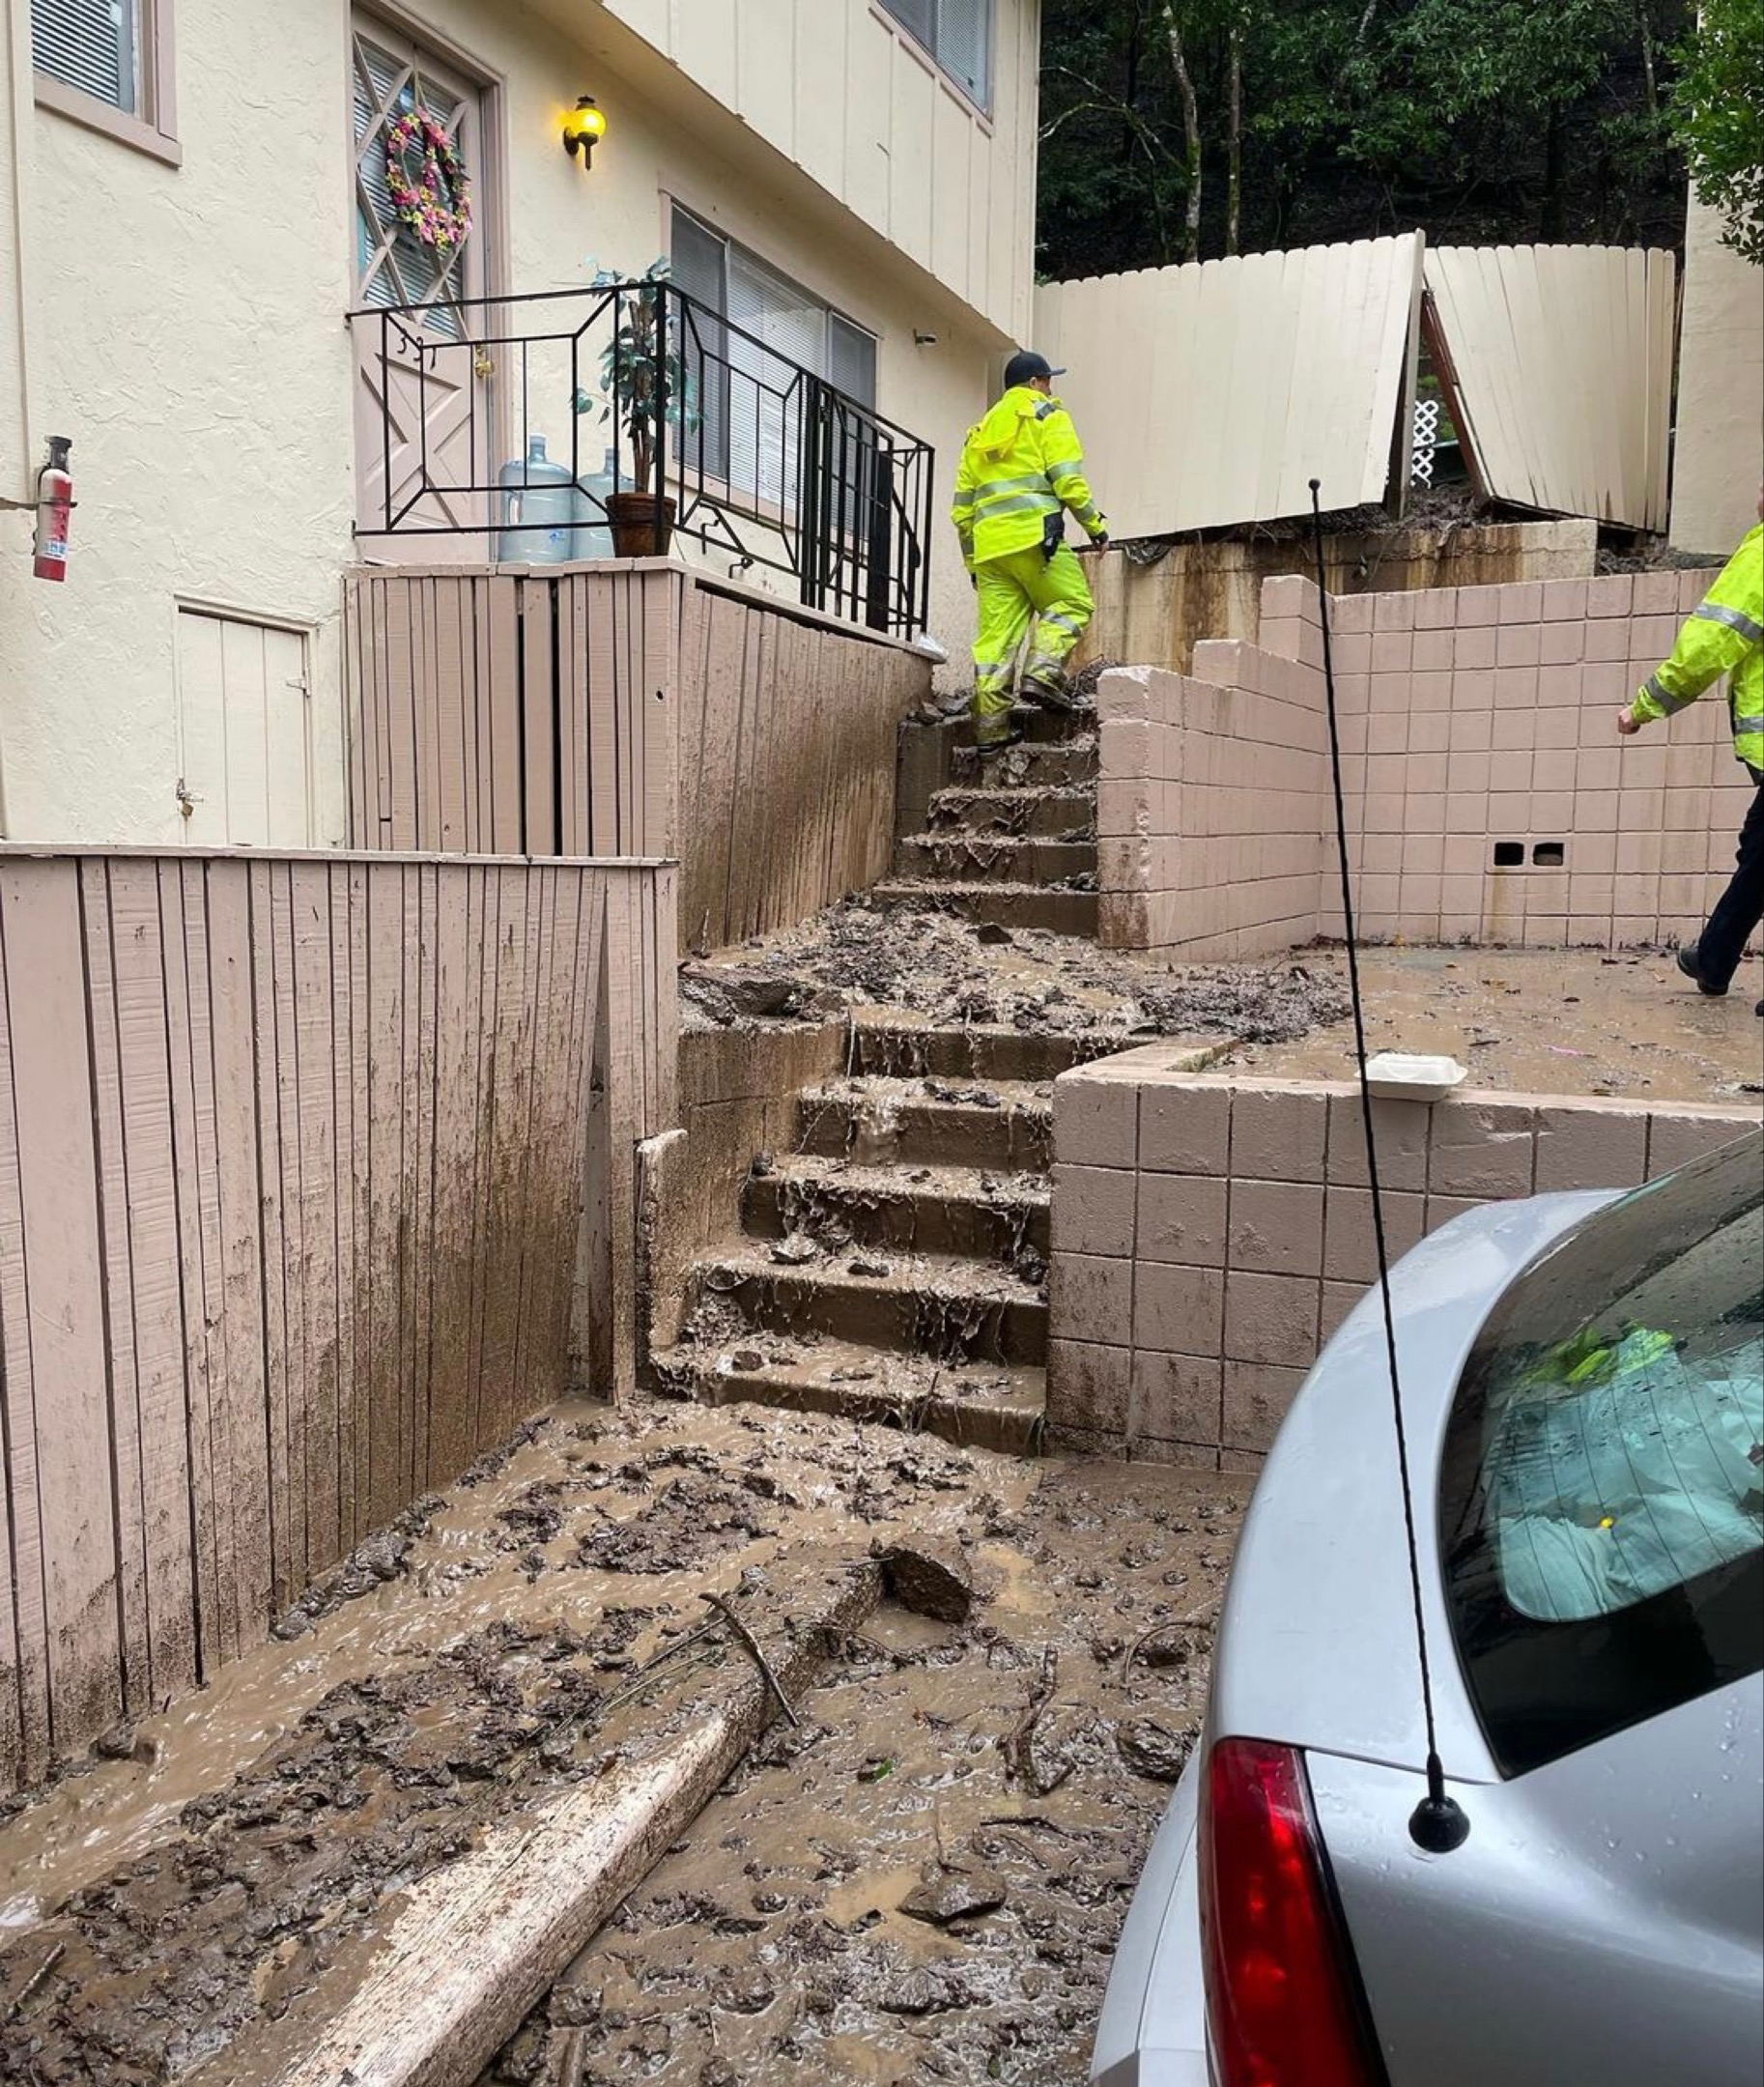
(473, 1947)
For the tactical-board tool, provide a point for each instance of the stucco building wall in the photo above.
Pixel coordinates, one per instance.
(185, 324)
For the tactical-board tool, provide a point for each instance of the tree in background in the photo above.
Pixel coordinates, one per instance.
(1717, 115)
(1175, 130)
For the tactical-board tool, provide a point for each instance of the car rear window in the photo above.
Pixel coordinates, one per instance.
(1603, 1490)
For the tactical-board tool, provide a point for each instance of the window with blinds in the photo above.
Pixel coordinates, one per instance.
(93, 45)
(745, 383)
(959, 35)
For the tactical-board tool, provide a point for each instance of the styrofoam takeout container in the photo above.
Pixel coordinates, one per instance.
(1412, 1076)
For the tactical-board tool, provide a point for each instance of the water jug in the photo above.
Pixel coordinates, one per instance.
(593, 535)
(541, 495)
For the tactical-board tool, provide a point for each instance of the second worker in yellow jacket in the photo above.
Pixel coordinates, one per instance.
(1021, 472)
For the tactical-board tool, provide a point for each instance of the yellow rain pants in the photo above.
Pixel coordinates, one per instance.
(1025, 594)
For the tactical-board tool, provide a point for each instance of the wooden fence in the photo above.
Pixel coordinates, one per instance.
(307, 1165)
(633, 709)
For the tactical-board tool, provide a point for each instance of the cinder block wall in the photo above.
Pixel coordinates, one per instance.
(1210, 1234)
(1489, 797)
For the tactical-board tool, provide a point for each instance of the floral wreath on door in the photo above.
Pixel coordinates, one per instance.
(437, 202)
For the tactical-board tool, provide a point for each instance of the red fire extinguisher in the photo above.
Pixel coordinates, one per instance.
(54, 507)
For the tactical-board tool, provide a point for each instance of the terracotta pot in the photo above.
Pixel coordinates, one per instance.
(641, 524)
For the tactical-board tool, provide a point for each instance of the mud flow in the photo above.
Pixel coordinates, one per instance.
(922, 1878)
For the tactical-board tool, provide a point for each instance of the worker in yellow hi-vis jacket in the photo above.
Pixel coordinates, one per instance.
(1725, 636)
(1022, 471)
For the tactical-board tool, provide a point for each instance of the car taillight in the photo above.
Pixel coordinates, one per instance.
(1281, 2003)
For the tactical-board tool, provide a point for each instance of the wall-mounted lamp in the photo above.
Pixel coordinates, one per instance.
(583, 128)
(923, 340)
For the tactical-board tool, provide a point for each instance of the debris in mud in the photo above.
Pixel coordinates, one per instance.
(866, 953)
(725, 994)
(377, 1558)
(841, 1840)
(795, 1250)
(1151, 1749)
(953, 1894)
(928, 1581)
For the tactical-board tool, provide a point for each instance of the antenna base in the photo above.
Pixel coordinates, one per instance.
(1439, 1825)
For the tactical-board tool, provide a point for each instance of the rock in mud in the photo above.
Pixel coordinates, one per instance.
(795, 1250)
(1152, 1750)
(930, 1582)
(954, 1895)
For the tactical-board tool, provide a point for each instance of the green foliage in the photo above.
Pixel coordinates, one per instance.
(1716, 111)
(1477, 120)
(630, 367)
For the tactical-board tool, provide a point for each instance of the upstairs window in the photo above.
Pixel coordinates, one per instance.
(107, 64)
(959, 35)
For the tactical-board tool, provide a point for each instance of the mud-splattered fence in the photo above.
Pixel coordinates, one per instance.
(634, 709)
(315, 1177)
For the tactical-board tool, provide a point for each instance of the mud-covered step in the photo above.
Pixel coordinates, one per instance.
(1001, 905)
(993, 859)
(1048, 815)
(917, 1210)
(926, 1304)
(1066, 765)
(980, 1406)
(1003, 1125)
(895, 1049)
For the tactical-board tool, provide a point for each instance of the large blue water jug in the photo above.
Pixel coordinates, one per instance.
(539, 504)
(593, 534)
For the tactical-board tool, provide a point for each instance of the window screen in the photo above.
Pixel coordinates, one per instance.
(90, 45)
(959, 35)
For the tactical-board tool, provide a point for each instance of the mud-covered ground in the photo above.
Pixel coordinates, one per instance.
(158, 1909)
(952, 973)
(925, 1880)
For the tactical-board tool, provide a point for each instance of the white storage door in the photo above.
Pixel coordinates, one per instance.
(242, 695)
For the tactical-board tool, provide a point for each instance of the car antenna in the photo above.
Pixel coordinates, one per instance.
(1438, 1824)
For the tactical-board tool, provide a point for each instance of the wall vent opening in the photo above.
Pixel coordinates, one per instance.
(1509, 854)
(1549, 854)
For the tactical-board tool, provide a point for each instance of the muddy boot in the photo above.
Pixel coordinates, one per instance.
(1014, 735)
(1046, 696)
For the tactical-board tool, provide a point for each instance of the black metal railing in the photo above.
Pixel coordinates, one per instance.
(525, 418)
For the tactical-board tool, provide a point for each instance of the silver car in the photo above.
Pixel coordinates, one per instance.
(1583, 1390)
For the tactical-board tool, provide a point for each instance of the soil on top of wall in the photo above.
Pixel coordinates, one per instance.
(1541, 1021)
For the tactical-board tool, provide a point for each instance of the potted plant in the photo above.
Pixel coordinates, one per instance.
(630, 369)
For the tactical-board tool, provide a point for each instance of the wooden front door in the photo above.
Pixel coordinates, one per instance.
(423, 431)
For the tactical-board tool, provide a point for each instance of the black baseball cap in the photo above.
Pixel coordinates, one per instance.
(1026, 365)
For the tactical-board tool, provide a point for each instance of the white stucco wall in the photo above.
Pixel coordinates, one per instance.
(1720, 455)
(186, 330)
(183, 329)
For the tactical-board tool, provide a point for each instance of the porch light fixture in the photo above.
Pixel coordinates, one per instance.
(583, 128)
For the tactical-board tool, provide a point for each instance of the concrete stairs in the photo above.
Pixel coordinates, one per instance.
(1012, 843)
(893, 1266)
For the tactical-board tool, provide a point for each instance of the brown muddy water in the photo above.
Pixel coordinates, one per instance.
(1011, 1768)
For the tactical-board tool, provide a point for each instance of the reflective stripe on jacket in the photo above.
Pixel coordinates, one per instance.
(1724, 636)
(1020, 465)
